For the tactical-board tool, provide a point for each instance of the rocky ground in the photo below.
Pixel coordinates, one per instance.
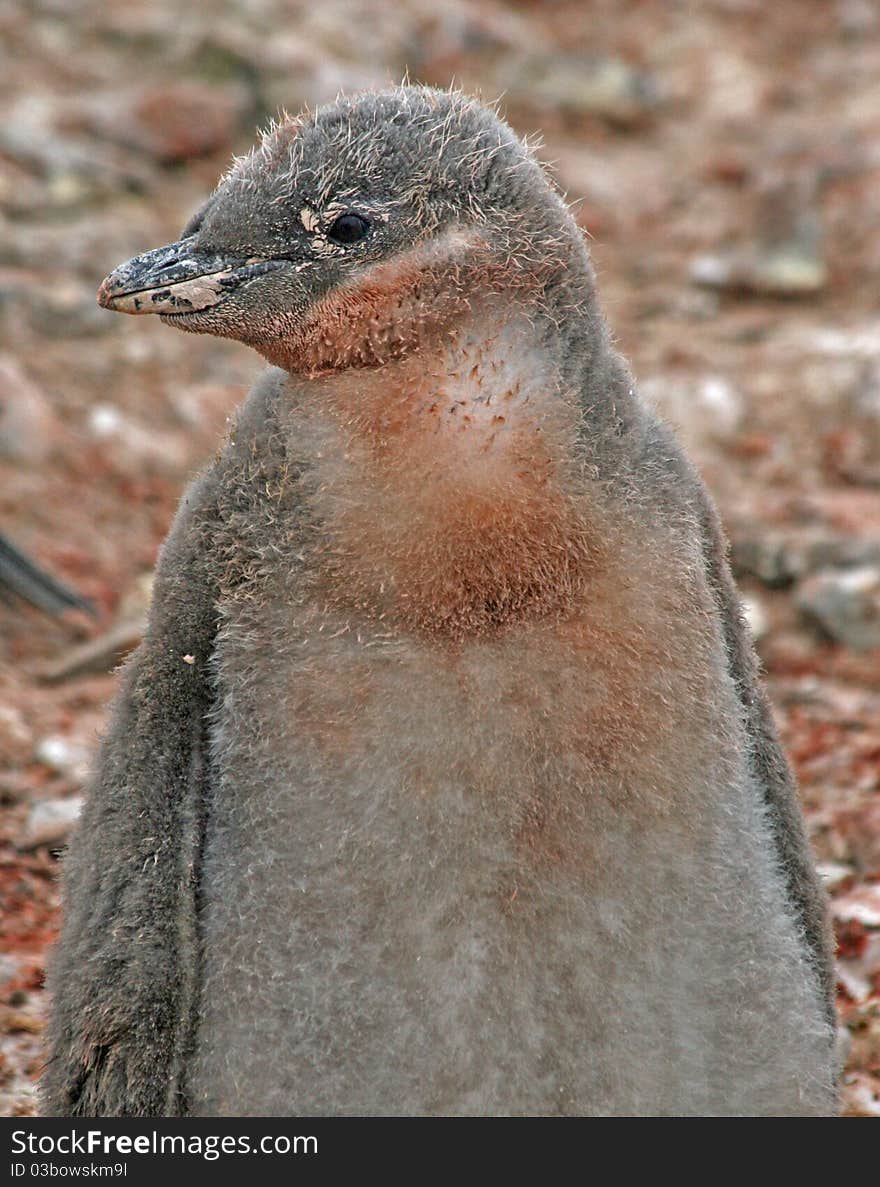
(725, 159)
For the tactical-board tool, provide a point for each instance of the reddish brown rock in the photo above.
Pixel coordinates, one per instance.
(174, 122)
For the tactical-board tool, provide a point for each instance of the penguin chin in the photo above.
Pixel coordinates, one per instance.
(195, 321)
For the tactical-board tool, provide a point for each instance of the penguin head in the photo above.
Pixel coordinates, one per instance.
(350, 236)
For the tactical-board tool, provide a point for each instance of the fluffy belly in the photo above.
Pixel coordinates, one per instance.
(464, 882)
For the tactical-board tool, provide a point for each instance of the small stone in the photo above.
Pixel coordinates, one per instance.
(105, 420)
(856, 985)
(14, 1021)
(135, 602)
(127, 441)
(833, 874)
(721, 403)
(839, 552)
(783, 258)
(777, 559)
(756, 617)
(606, 88)
(861, 905)
(859, 342)
(50, 822)
(861, 1097)
(704, 410)
(789, 274)
(764, 556)
(845, 605)
(783, 273)
(63, 756)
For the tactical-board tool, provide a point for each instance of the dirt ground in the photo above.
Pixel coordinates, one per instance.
(725, 161)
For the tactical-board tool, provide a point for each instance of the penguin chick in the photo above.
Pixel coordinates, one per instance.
(442, 782)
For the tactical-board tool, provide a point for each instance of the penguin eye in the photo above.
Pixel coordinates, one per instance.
(348, 228)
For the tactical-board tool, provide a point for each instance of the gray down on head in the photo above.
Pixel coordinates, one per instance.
(442, 781)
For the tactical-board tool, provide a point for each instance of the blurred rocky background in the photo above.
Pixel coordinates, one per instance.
(725, 162)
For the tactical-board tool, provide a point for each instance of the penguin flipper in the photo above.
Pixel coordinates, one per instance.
(19, 576)
(124, 974)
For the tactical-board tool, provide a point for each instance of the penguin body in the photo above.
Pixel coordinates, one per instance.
(442, 782)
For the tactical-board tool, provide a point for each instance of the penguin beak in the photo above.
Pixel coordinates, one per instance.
(178, 279)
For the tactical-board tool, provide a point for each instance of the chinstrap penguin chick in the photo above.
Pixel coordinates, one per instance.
(442, 782)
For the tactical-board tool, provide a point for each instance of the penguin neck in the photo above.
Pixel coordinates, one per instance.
(448, 486)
